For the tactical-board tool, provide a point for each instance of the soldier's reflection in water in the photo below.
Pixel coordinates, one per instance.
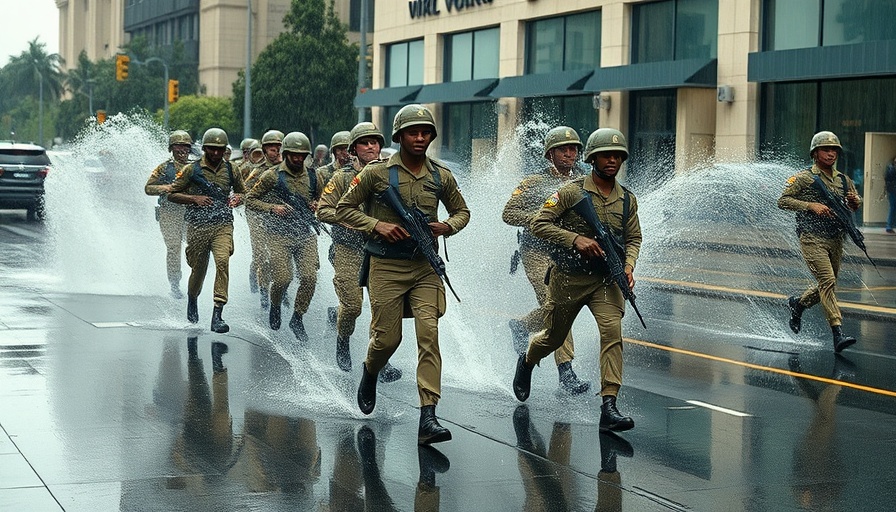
(609, 482)
(816, 464)
(426, 497)
(170, 390)
(283, 454)
(546, 487)
(346, 484)
(205, 446)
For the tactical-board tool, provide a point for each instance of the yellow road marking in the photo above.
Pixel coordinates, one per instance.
(768, 295)
(744, 364)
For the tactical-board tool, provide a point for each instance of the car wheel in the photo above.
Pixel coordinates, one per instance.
(36, 211)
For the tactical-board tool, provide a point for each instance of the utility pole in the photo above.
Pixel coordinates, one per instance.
(247, 98)
(164, 96)
(362, 55)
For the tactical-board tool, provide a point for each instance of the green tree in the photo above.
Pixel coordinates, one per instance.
(305, 79)
(34, 75)
(195, 114)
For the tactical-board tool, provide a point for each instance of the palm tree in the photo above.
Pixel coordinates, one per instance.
(32, 69)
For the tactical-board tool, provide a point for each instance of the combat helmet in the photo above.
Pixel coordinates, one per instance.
(272, 137)
(340, 139)
(245, 144)
(412, 115)
(561, 136)
(605, 139)
(822, 139)
(254, 145)
(215, 137)
(179, 137)
(365, 129)
(296, 142)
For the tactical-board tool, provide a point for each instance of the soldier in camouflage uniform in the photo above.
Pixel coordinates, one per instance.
(205, 187)
(171, 215)
(401, 279)
(561, 149)
(287, 196)
(820, 233)
(578, 278)
(365, 142)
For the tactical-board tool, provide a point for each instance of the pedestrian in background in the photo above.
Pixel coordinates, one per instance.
(890, 188)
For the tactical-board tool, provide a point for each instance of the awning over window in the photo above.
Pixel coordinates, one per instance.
(852, 60)
(387, 96)
(563, 83)
(655, 75)
(457, 92)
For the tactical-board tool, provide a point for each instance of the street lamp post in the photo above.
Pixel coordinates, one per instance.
(247, 98)
(362, 57)
(40, 109)
(164, 96)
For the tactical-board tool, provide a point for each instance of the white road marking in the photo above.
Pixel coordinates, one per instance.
(717, 408)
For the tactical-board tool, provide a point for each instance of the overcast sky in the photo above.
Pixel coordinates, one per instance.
(23, 20)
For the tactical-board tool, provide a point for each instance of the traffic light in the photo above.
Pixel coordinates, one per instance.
(100, 116)
(173, 86)
(121, 67)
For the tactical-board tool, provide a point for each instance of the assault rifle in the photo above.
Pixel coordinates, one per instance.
(300, 205)
(417, 225)
(585, 209)
(206, 187)
(843, 214)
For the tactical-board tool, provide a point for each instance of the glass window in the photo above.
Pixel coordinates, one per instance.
(849, 22)
(463, 123)
(354, 15)
(675, 30)
(471, 55)
(791, 24)
(564, 43)
(651, 139)
(404, 64)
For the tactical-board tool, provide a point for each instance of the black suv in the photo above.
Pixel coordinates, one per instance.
(23, 168)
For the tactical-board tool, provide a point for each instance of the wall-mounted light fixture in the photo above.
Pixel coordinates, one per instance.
(725, 94)
(501, 108)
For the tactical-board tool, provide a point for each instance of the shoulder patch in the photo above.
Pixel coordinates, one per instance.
(552, 201)
(355, 181)
(791, 180)
(330, 187)
(516, 192)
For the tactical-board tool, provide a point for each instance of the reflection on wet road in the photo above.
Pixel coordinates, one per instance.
(112, 402)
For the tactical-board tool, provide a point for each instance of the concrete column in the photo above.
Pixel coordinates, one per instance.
(695, 127)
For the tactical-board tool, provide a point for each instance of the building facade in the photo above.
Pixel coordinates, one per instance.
(690, 82)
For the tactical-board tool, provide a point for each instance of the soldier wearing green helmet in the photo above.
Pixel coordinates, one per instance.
(575, 281)
(820, 233)
(171, 215)
(210, 188)
(400, 278)
(321, 154)
(339, 151)
(364, 143)
(286, 196)
(561, 148)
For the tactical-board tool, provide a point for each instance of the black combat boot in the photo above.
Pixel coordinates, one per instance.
(218, 324)
(431, 461)
(610, 417)
(841, 340)
(366, 391)
(175, 290)
(796, 314)
(298, 328)
(612, 445)
(389, 374)
(522, 427)
(274, 317)
(192, 310)
(332, 315)
(265, 298)
(218, 350)
(569, 381)
(519, 335)
(522, 379)
(430, 431)
(343, 357)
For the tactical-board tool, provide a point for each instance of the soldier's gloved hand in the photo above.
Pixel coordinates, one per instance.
(820, 210)
(852, 200)
(439, 229)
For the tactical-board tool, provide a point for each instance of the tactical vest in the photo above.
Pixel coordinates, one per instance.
(291, 224)
(571, 261)
(219, 212)
(808, 222)
(405, 249)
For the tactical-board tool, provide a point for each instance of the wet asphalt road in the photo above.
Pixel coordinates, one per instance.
(112, 402)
